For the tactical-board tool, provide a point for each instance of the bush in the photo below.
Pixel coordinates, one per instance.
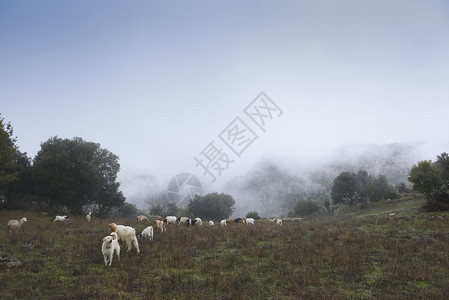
(212, 206)
(305, 208)
(253, 214)
(127, 210)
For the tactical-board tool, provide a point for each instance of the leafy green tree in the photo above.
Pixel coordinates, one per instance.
(364, 184)
(360, 187)
(306, 208)
(380, 188)
(253, 214)
(212, 206)
(127, 210)
(73, 173)
(425, 178)
(8, 149)
(20, 192)
(344, 188)
(402, 188)
(442, 164)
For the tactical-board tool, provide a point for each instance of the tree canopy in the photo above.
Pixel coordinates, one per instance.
(350, 188)
(425, 178)
(212, 206)
(305, 208)
(344, 188)
(73, 173)
(442, 164)
(432, 179)
(8, 150)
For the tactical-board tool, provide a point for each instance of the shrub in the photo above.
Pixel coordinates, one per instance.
(305, 208)
(253, 214)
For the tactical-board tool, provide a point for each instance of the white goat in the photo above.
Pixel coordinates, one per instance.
(223, 222)
(147, 233)
(277, 221)
(89, 216)
(170, 220)
(61, 219)
(211, 223)
(126, 234)
(250, 221)
(14, 225)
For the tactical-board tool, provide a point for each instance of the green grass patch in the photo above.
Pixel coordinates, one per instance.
(359, 254)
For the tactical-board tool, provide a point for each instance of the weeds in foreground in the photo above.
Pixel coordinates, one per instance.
(332, 257)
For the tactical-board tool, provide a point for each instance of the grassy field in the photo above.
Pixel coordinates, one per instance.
(359, 254)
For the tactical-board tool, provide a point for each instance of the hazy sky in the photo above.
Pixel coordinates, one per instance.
(155, 82)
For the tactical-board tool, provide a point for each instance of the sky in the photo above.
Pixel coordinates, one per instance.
(156, 82)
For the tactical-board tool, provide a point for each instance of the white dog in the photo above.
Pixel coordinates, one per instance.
(110, 244)
(147, 233)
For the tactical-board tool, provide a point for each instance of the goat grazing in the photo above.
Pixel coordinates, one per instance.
(126, 234)
(249, 221)
(89, 216)
(14, 225)
(183, 220)
(147, 233)
(160, 224)
(277, 221)
(142, 218)
(61, 219)
(196, 221)
(156, 218)
(170, 220)
(211, 223)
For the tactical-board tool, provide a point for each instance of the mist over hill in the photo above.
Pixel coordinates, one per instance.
(267, 186)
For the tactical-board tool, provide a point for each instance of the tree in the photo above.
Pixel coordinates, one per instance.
(73, 173)
(402, 188)
(442, 164)
(425, 178)
(212, 206)
(361, 187)
(380, 188)
(306, 208)
(20, 192)
(127, 210)
(8, 149)
(253, 214)
(432, 179)
(160, 204)
(344, 188)
(364, 185)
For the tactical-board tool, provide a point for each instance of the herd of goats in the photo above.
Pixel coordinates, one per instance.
(127, 234)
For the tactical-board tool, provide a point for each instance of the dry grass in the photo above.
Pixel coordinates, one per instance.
(375, 257)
